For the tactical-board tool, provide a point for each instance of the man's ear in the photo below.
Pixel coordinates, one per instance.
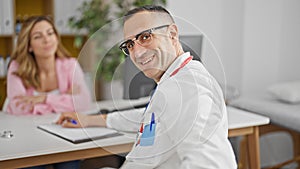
(173, 31)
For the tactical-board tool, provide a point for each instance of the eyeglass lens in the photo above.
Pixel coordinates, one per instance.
(142, 39)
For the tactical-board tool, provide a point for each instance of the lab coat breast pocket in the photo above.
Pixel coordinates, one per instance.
(152, 146)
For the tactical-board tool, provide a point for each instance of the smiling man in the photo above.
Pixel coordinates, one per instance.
(185, 123)
(155, 51)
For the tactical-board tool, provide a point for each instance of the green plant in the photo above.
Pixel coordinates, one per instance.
(94, 15)
(107, 67)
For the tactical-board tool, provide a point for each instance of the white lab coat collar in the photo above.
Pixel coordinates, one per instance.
(177, 62)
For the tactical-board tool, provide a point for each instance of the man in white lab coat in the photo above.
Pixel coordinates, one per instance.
(185, 123)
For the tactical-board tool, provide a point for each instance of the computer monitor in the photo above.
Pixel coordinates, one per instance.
(137, 85)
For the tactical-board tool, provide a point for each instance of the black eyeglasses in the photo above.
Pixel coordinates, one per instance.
(144, 39)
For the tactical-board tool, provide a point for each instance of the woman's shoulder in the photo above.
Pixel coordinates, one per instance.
(13, 66)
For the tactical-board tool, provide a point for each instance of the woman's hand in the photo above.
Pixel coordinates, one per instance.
(73, 120)
(30, 101)
(77, 120)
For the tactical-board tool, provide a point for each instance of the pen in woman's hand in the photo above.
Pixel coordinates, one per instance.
(68, 120)
(72, 121)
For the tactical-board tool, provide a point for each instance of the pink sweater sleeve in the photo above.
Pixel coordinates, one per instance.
(15, 88)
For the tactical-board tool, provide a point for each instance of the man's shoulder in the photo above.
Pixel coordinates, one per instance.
(194, 70)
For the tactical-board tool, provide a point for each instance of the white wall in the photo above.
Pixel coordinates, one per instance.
(261, 44)
(271, 43)
(289, 59)
(258, 40)
(222, 23)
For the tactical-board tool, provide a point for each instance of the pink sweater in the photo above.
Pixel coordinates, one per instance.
(69, 73)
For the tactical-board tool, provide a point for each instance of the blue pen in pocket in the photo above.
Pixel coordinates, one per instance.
(152, 120)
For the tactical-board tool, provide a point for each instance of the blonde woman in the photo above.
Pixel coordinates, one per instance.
(42, 77)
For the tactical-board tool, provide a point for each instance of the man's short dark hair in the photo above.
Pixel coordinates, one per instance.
(149, 8)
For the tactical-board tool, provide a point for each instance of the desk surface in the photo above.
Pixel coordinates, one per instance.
(238, 118)
(28, 141)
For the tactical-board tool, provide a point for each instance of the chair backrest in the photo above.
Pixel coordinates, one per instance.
(4, 108)
(192, 44)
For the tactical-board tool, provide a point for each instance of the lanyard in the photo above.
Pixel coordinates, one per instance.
(149, 100)
(186, 61)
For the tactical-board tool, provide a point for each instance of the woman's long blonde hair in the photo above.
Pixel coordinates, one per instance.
(28, 70)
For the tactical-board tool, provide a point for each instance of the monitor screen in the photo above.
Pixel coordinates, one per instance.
(137, 85)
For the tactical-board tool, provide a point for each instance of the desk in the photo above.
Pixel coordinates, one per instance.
(44, 148)
(243, 123)
(32, 146)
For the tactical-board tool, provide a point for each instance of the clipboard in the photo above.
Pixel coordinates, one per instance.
(79, 135)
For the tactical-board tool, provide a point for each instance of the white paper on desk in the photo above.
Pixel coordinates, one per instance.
(79, 135)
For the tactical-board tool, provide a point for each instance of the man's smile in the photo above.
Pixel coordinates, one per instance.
(146, 61)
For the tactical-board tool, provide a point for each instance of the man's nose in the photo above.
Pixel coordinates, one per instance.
(138, 50)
